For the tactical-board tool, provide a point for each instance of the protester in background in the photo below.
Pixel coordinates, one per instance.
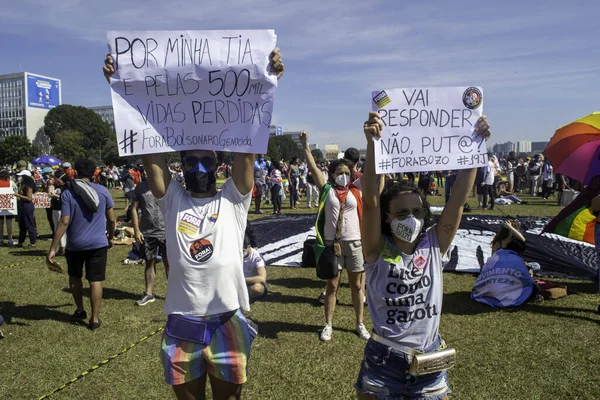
(534, 170)
(206, 281)
(128, 184)
(48, 176)
(338, 223)
(312, 192)
(255, 272)
(25, 208)
(548, 179)
(54, 192)
(404, 250)
(424, 182)
(561, 185)
(450, 179)
(505, 280)
(353, 155)
(511, 164)
(260, 182)
(6, 182)
(293, 176)
(88, 244)
(276, 187)
(150, 234)
(488, 185)
(68, 171)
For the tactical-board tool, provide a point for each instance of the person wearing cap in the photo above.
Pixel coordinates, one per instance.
(21, 165)
(26, 208)
(505, 280)
(68, 170)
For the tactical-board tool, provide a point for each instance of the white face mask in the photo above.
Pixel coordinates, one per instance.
(407, 229)
(342, 180)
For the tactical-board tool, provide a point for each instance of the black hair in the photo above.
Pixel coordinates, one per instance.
(4, 175)
(393, 189)
(249, 239)
(516, 245)
(276, 165)
(352, 154)
(85, 168)
(293, 160)
(335, 164)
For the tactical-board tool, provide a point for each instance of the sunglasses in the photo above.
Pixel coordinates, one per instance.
(419, 213)
(204, 164)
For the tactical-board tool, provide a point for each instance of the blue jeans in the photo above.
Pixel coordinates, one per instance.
(383, 376)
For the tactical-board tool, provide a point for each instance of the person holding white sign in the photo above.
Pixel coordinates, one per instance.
(206, 289)
(403, 252)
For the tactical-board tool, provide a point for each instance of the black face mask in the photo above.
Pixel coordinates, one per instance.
(200, 179)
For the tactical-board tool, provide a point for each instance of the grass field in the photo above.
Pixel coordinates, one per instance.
(541, 351)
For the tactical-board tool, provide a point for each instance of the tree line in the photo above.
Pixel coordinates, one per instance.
(75, 132)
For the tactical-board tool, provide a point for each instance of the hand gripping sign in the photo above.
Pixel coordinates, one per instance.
(429, 129)
(178, 90)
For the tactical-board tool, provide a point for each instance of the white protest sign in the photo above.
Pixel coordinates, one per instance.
(41, 200)
(429, 129)
(180, 90)
(8, 201)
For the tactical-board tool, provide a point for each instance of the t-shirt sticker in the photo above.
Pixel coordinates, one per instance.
(420, 262)
(213, 218)
(189, 224)
(201, 250)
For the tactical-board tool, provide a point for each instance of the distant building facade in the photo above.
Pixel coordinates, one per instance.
(25, 100)
(106, 113)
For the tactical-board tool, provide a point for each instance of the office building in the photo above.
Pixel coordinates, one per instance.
(524, 146)
(25, 99)
(106, 113)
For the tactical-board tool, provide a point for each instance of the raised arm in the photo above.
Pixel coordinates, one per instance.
(450, 219)
(372, 238)
(310, 161)
(242, 172)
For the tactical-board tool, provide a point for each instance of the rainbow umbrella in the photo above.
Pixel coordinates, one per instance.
(574, 150)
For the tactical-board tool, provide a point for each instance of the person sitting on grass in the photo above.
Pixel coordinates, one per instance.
(255, 272)
(505, 280)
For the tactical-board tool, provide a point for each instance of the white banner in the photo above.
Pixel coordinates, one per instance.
(8, 201)
(429, 129)
(179, 90)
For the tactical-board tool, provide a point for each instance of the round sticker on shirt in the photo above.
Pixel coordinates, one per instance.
(201, 250)
(420, 262)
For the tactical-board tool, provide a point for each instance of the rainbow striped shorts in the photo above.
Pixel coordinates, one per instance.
(226, 357)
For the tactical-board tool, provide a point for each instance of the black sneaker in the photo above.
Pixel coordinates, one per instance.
(92, 326)
(79, 315)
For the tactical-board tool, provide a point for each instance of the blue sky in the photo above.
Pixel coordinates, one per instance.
(538, 62)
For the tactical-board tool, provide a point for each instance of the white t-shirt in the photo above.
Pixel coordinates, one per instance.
(491, 173)
(206, 276)
(252, 263)
(405, 292)
(351, 224)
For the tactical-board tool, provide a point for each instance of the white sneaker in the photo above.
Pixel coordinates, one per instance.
(327, 332)
(362, 332)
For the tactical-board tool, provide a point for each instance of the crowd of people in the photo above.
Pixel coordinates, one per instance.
(378, 228)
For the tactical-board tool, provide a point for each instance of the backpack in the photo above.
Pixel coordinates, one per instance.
(87, 193)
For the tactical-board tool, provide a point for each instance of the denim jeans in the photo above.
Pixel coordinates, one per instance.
(383, 376)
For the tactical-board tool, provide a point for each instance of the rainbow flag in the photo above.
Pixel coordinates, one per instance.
(578, 226)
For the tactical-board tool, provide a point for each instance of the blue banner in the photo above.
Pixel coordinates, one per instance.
(42, 92)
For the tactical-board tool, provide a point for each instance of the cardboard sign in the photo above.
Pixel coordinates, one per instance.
(41, 200)
(180, 90)
(8, 201)
(429, 129)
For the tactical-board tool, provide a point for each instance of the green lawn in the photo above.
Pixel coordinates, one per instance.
(541, 351)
